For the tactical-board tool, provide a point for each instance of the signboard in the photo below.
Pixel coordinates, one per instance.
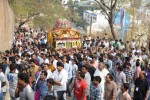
(68, 44)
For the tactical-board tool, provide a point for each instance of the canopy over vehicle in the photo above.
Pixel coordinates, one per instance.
(62, 36)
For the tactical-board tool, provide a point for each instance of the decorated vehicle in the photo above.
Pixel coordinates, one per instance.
(62, 36)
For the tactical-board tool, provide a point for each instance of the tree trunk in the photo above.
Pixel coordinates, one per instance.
(112, 29)
(21, 24)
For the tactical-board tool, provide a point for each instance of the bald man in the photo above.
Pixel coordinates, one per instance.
(141, 91)
(101, 71)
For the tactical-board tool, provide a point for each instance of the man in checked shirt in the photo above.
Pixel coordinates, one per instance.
(129, 75)
(95, 89)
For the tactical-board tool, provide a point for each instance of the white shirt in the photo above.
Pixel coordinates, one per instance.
(106, 44)
(121, 47)
(138, 57)
(3, 79)
(66, 67)
(70, 70)
(74, 70)
(18, 62)
(49, 74)
(87, 78)
(133, 44)
(55, 63)
(62, 78)
(13, 80)
(144, 56)
(46, 61)
(102, 74)
(0, 86)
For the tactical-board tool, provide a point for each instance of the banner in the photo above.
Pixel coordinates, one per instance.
(68, 44)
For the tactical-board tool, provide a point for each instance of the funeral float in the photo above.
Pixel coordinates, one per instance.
(62, 36)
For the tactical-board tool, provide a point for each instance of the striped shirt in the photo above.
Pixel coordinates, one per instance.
(129, 75)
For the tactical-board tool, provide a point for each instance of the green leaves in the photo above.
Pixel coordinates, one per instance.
(44, 12)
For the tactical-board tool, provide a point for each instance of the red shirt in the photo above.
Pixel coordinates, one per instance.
(79, 87)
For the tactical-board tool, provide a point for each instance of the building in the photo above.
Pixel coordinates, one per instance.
(97, 19)
(64, 2)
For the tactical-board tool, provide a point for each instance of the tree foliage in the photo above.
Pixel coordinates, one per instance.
(108, 8)
(42, 13)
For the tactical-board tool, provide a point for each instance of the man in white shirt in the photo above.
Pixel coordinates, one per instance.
(12, 77)
(60, 80)
(68, 69)
(138, 56)
(133, 44)
(3, 82)
(87, 78)
(120, 79)
(106, 43)
(54, 61)
(101, 72)
(66, 65)
(1, 94)
(49, 73)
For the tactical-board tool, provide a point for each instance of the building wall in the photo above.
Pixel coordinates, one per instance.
(65, 1)
(6, 25)
(88, 16)
(99, 22)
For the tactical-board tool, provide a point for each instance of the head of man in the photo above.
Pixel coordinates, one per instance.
(133, 40)
(128, 65)
(107, 66)
(109, 78)
(101, 66)
(43, 75)
(137, 63)
(32, 62)
(142, 75)
(53, 57)
(33, 56)
(46, 66)
(50, 82)
(17, 57)
(96, 80)
(64, 59)
(23, 79)
(119, 68)
(125, 87)
(1, 66)
(13, 67)
(4, 60)
(60, 66)
(84, 69)
(81, 75)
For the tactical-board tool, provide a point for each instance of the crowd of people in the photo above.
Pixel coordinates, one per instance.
(101, 70)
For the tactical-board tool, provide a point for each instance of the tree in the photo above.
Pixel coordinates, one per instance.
(40, 12)
(108, 8)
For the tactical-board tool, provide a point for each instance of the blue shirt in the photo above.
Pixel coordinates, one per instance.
(4, 68)
(95, 92)
(42, 86)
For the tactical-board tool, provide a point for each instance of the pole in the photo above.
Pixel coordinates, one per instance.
(133, 19)
(90, 26)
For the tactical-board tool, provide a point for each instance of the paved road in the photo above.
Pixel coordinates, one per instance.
(8, 97)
